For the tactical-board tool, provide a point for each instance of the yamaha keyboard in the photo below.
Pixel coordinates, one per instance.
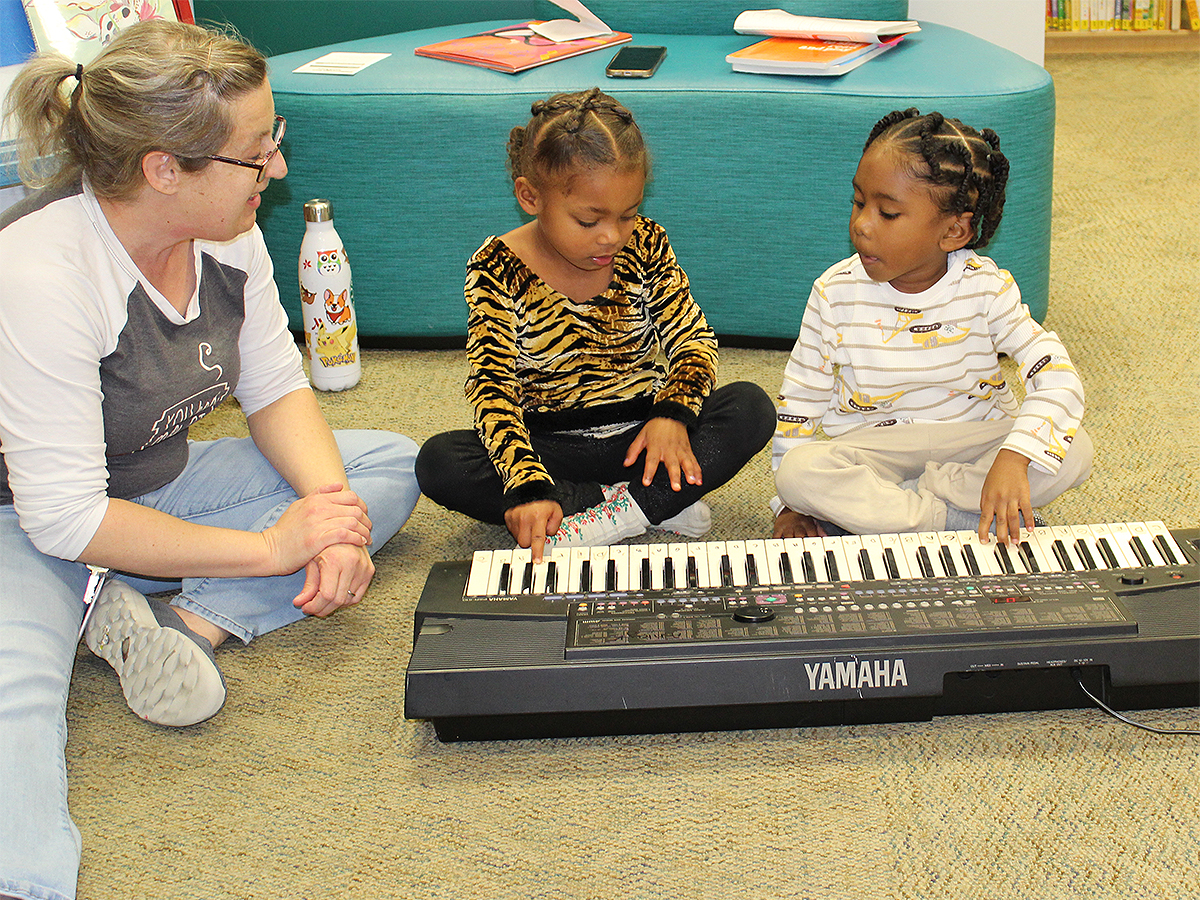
(714, 635)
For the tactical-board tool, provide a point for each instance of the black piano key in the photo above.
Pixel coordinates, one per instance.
(645, 573)
(810, 568)
(1140, 551)
(551, 577)
(831, 568)
(1063, 557)
(505, 579)
(1106, 551)
(785, 568)
(1006, 562)
(610, 576)
(669, 574)
(969, 559)
(1029, 558)
(947, 559)
(585, 576)
(751, 570)
(693, 574)
(864, 563)
(924, 562)
(1085, 555)
(1164, 547)
(889, 563)
(527, 578)
(726, 571)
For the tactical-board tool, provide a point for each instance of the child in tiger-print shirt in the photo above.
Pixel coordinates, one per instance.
(567, 317)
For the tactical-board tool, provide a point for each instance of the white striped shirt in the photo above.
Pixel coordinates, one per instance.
(870, 355)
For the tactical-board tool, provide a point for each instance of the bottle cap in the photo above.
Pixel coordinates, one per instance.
(318, 211)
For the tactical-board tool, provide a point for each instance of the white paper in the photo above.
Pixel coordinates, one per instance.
(340, 63)
(559, 30)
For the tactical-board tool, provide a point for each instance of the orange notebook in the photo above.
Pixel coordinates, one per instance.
(805, 56)
(515, 48)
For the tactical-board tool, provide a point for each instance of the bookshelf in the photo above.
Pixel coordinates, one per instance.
(1070, 42)
(1121, 26)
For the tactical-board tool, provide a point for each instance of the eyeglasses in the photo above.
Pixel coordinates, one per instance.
(261, 163)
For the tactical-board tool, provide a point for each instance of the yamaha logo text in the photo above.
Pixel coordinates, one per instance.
(856, 674)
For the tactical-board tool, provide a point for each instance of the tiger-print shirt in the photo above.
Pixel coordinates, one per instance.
(540, 360)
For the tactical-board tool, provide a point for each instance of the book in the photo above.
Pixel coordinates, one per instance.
(806, 56)
(777, 23)
(515, 48)
(80, 31)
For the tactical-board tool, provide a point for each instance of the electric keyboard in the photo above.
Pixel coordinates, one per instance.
(709, 635)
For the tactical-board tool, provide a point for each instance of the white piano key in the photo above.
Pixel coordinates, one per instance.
(837, 548)
(736, 551)
(947, 554)
(911, 543)
(639, 572)
(539, 575)
(561, 558)
(658, 561)
(756, 551)
(932, 542)
(1042, 542)
(898, 557)
(575, 569)
(480, 573)
(599, 565)
(773, 547)
(501, 563)
(522, 560)
(1162, 535)
(1082, 539)
(849, 545)
(814, 555)
(619, 554)
(794, 548)
(873, 546)
(1140, 537)
(1034, 554)
(716, 559)
(677, 555)
(698, 553)
(983, 554)
(1106, 540)
(1123, 539)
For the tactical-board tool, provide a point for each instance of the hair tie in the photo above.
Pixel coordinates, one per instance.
(79, 72)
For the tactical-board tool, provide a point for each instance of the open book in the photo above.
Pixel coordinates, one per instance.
(777, 23)
(515, 48)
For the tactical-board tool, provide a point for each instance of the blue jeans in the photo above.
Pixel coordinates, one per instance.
(41, 607)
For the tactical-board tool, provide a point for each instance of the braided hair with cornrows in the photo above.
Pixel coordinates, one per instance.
(585, 129)
(965, 166)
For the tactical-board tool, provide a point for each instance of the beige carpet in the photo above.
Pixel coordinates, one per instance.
(311, 784)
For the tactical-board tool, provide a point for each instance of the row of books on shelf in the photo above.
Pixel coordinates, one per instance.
(1122, 15)
(793, 45)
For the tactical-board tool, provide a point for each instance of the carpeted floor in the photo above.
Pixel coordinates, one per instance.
(311, 784)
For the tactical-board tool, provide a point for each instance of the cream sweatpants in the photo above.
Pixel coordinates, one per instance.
(853, 480)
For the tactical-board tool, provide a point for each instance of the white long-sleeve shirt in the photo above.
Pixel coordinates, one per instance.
(869, 355)
(100, 376)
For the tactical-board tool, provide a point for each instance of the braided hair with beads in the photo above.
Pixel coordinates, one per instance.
(965, 167)
(584, 129)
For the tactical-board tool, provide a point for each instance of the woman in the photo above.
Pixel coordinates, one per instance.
(137, 295)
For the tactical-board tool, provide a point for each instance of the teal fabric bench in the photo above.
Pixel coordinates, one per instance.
(751, 172)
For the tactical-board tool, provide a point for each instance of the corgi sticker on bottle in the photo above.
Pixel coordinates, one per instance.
(327, 303)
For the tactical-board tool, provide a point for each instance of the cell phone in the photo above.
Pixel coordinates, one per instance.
(635, 62)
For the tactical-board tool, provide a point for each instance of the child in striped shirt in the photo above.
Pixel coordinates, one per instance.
(897, 360)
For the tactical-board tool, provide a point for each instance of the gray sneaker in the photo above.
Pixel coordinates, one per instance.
(168, 672)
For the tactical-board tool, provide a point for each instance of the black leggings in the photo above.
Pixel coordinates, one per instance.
(736, 421)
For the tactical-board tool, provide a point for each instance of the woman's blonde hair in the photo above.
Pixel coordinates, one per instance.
(158, 86)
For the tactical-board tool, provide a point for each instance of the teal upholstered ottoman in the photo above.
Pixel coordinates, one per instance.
(751, 172)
